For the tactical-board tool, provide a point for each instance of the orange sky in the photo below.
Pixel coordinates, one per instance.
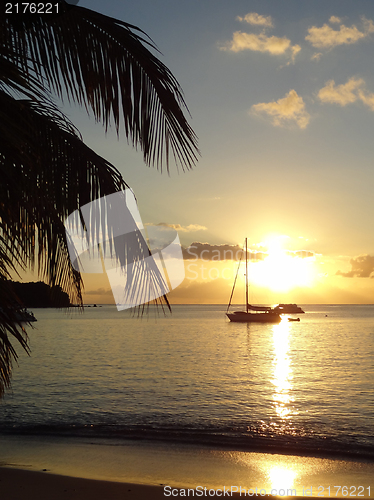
(281, 276)
(282, 100)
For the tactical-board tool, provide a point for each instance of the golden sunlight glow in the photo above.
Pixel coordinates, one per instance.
(282, 270)
(281, 477)
(282, 370)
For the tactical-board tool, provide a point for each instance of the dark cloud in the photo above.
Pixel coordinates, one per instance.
(99, 291)
(361, 267)
(206, 251)
(178, 227)
(302, 254)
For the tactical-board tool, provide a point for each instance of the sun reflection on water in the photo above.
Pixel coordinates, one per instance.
(282, 371)
(282, 477)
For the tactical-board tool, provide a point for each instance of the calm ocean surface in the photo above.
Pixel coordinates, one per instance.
(193, 377)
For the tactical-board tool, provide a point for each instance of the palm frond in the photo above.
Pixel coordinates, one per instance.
(107, 66)
(48, 172)
(10, 327)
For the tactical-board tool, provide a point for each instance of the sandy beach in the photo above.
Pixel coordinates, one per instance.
(68, 469)
(18, 484)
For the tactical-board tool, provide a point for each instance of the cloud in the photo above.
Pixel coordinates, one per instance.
(295, 49)
(367, 99)
(335, 19)
(328, 37)
(316, 56)
(368, 25)
(208, 252)
(351, 91)
(290, 108)
(342, 94)
(184, 229)
(257, 19)
(301, 254)
(361, 267)
(260, 43)
(99, 291)
(273, 45)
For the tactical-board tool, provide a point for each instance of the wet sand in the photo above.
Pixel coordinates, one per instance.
(70, 469)
(18, 484)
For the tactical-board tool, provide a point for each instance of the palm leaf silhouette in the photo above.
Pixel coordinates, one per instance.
(108, 67)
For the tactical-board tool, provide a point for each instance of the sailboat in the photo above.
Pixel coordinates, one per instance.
(258, 314)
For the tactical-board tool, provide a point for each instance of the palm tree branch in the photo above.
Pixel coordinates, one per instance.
(122, 82)
(48, 173)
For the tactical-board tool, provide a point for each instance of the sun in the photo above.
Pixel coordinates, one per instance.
(282, 270)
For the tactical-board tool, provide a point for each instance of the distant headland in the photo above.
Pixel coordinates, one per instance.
(39, 294)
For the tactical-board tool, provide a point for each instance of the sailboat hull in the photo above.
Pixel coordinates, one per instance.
(264, 314)
(244, 317)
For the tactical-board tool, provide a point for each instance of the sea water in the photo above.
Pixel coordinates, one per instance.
(193, 379)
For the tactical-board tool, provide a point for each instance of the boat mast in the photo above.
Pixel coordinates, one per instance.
(246, 276)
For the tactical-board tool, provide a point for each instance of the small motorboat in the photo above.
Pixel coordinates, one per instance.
(24, 315)
(293, 319)
(288, 309)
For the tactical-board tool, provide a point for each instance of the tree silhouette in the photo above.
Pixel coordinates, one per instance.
(107, 66)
